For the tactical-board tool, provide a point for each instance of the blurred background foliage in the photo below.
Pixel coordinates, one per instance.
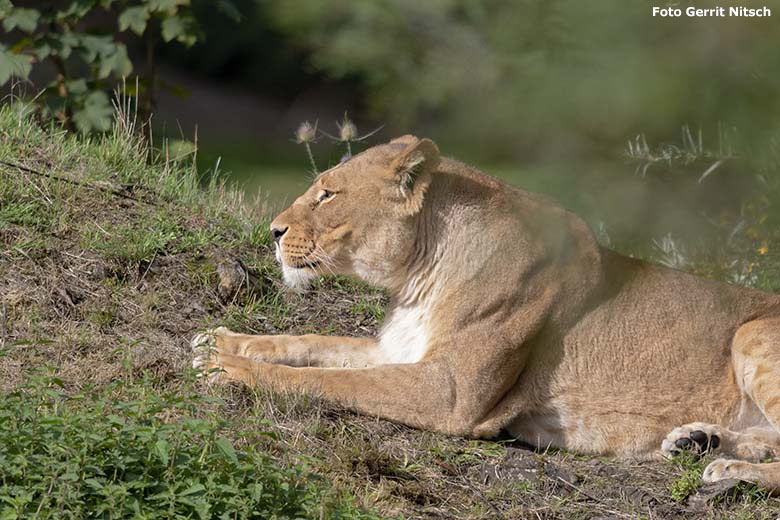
(662, 132)
(83, 42)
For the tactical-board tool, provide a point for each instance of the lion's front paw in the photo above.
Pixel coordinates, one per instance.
(722, 469)
(700, 438)
(206, 354)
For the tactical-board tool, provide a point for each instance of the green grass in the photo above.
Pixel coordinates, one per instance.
(154, 235)
(689, 479)
(239, 316)
(369, 308)
(127, 450)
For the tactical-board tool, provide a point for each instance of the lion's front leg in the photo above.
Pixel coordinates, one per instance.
(421, 395)
(298, 351)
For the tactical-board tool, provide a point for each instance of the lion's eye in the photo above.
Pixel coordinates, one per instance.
(325, 195)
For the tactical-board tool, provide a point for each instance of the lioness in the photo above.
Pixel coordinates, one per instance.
(506, 314)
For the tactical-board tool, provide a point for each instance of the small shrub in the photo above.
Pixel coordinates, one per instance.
(689, 480)
(127, 450)
(88, 54)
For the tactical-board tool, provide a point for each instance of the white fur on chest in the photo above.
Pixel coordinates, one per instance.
(404, 338)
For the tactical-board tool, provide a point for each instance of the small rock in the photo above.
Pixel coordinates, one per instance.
(235, 278)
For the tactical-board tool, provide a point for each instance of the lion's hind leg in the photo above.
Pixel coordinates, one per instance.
(756, 358)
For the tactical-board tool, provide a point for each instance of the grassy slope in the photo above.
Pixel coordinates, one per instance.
(100, 294)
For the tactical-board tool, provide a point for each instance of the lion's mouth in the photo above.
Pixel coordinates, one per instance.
(311, 264)
(299, 273)
(296, 262)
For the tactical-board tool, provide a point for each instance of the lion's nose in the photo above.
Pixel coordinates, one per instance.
(277, 233)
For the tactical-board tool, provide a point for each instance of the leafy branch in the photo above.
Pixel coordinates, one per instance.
(87, 54)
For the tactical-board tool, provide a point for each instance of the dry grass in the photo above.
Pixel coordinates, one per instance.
(99, 286)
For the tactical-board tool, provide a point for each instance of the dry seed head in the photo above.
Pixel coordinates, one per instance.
(306, 132)
(347, 129)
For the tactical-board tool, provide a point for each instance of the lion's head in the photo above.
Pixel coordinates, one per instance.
(357, 218)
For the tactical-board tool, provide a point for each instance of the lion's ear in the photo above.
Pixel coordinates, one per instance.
(405, 139)
(415, 164)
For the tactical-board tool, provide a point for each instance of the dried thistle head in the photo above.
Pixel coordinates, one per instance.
(306, 132)
(347, 129)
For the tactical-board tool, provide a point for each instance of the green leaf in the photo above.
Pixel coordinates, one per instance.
(5, 8)
(24, 19)
(225, 447)
(96, 113)
(95, 46)
(64, 44)
(197, 488)
(76, 10)
(42, 50)
(179, 149)
(94, 483)
(117, 62)
(229, 9)
(76, 86)
(57, 381)
(135, 18)
(161, 449)
(110, 57)
(179, 28)
(166, 6)
(115, 420)
(11, 64)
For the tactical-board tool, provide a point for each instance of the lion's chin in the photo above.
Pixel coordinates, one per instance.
(296, 278)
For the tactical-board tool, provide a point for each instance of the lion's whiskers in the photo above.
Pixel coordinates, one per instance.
(324, 259)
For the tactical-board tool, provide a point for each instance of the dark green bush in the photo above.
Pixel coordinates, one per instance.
(128, 451)
(86, 42)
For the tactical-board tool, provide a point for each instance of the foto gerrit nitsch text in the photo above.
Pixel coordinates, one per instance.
(714, 12)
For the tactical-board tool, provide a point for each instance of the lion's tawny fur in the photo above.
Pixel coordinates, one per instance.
(506, 314)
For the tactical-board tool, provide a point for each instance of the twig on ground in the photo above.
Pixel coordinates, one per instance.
(44, 195)
(489, 502)
(601, 503)
(3, 327)
(149, 266)
(114, 192)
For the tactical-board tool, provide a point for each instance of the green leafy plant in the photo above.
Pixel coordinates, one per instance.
(85, 42)
(129, 451)
(689, 480)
